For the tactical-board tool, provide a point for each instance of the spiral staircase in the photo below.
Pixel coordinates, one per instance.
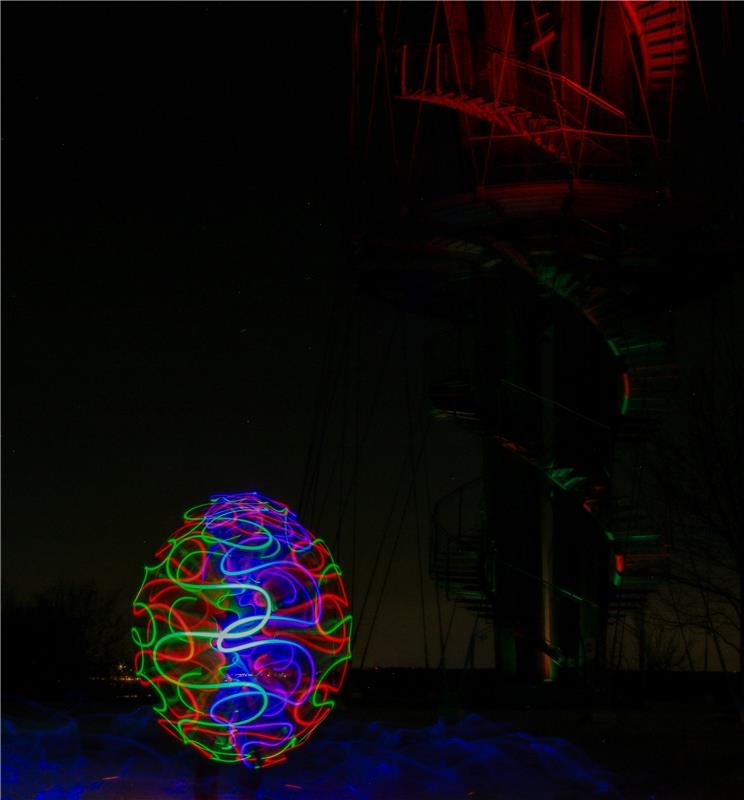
(560, 142)
(437, 266)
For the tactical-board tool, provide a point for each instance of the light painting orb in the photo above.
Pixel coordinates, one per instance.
(243, 630)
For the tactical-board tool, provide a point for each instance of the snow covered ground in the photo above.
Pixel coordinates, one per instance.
(51, 755)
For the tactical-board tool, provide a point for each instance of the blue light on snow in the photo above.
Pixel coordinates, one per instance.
(51, 756)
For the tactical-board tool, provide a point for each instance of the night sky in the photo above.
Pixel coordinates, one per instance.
(176, 233)
(181, 314)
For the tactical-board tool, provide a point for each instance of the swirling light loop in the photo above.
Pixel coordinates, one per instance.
(243, 629)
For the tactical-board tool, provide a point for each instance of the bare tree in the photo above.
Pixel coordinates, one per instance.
(697, 485)
(63, 636)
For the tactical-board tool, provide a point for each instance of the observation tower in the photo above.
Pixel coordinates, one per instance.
(528, 151)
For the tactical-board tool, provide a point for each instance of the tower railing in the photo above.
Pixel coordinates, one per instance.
(551, 111)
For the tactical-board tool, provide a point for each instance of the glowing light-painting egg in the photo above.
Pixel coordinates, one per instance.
(243, 630)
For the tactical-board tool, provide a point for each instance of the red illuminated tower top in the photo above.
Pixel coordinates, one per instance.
(541, 89)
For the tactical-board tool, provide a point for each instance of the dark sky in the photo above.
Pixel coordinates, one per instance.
(175, 274)
(175, 237)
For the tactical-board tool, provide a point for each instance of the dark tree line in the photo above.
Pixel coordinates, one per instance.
(63, 639)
